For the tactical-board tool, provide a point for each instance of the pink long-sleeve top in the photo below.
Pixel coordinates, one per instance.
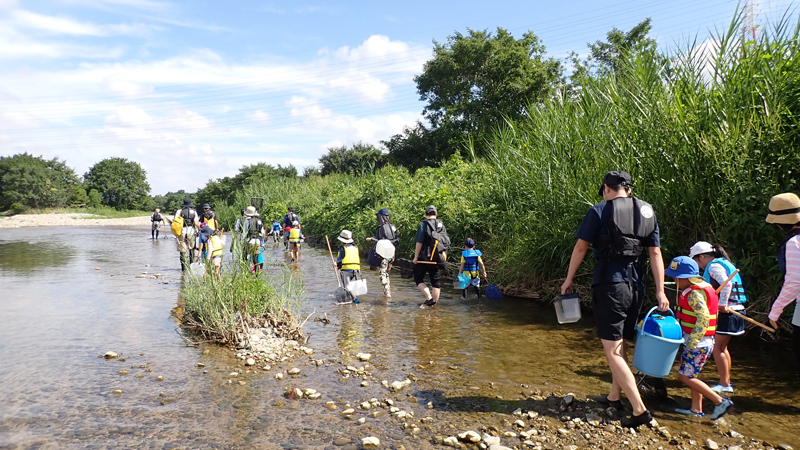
(791, 281)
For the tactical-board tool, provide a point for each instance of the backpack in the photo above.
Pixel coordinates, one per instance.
(436, 239)
(254, 225)
(388, 231)
(177, 226)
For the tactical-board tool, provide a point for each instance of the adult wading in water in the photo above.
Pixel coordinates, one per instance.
(156, 219)
(431, 244)
(619, 229)
(386, 231)
(186, 241)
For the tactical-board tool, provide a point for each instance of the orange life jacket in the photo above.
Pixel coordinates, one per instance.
(686, 315)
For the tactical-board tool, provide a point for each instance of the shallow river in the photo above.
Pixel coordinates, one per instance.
(71, 294)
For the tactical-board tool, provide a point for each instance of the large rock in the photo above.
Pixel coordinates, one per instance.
(488, 439)
(470, 436)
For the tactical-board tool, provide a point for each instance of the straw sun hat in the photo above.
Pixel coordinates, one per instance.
(784, 209)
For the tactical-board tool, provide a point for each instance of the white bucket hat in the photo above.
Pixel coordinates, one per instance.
(700, 248)
(250, 211)
(346, 237)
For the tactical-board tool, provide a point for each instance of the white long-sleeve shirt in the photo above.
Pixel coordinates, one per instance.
(791, 282)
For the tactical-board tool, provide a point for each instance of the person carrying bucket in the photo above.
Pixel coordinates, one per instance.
(386, 231)
(784, 212)
(717, 268)
(697, 313)
(470, 263)
(619, 229)
(348, 262)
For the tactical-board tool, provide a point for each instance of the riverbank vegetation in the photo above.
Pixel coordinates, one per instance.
(709, 134)
(223, 310)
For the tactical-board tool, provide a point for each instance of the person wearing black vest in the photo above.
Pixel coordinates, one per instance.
(619, 230)
(186, 241)
(387, 231)
(427, 259)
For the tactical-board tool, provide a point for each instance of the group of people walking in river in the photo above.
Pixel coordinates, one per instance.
(622, 231)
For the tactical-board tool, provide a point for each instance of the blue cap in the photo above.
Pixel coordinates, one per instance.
(469, 243)
(207, 231)
(383, 212)
(682, 267)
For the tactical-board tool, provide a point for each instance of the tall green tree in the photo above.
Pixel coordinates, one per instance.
(35, 182)
(608, 56)
(475, 81)
(359, 159)
(122, 184)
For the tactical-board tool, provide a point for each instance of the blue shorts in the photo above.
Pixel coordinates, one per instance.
(693, 360)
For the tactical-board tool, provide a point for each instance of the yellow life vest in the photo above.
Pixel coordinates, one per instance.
(351, 261)
(294, 235)
(215, 246)
(210, 223)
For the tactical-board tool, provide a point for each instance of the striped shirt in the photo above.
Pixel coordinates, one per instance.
(791, 282)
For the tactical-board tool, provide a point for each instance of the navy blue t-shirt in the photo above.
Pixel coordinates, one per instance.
(595, 224)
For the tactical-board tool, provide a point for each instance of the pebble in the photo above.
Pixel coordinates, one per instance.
(347, 412)
(159, 378)
(488, 439)
(365, 383)
(785, 447)
(370, 442)
(279, 376)
(233, 374)
(450, 441)
(498, 447)
(399, 385)
(314, 396)
(711, 445)
(363, 356)
(250, 362)
(110, 355)
(116, 391)
(470, 436)
(362, 420)
(294, 371)
(341, 441)
(293, 393)
(519, 423)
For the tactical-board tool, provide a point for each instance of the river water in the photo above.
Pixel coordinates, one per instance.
(71, 294)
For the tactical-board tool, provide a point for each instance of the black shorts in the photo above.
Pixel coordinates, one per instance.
(421, 269)
(616, 310)
(729, 324)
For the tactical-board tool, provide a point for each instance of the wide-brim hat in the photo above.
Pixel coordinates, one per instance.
(682, 267)
(188, 203)
(250, 211)
(784, 209)
(346, 237)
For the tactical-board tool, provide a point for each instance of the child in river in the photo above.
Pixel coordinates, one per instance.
(697, 313)
(470, 263)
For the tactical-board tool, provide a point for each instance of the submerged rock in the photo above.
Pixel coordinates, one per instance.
(110, 355)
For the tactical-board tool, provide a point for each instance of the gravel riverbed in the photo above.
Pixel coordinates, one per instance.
(69, 219)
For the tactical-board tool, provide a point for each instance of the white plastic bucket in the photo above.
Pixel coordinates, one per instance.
(568, 308)
(357, 287)
(385, 248)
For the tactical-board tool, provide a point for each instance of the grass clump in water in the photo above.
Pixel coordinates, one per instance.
(219, 310)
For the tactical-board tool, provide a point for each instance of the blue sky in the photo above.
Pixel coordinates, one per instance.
(193, 90)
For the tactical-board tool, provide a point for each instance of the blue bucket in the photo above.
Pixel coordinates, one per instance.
(463, 280)
(654, 355)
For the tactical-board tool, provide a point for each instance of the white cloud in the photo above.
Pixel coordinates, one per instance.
(125, 88)
(260, 117)
(66, 26)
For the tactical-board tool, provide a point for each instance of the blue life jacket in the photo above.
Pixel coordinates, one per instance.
(276, 226)
(737, 290)
(471, 259)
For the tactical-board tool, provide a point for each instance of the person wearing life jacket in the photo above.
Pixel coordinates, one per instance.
(210, 217)
(386, 231)
(717, 268)
(784, 212)
(470, 263)
(212, 246)
(186, 242)
(157, 219)
(288, 220)
(623, 232)
(348, 261)
(253, 231)
(697, 314)
(295, 238)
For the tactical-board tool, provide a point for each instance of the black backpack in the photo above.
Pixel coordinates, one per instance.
(254, 226)
(388, 231)
(437, 242)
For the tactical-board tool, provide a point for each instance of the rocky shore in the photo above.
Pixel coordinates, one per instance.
(412, 414)
(71, 219)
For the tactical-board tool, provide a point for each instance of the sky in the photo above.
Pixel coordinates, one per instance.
(194, 90)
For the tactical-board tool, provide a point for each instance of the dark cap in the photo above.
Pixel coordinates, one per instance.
(430, 210)
(206, 206)
(469, 243)
(290, 209)
(615, 178)
(383, 212)
(207, 231)
(188, 203)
